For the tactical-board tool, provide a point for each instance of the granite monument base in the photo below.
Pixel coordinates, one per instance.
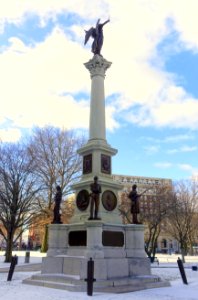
(120, 262)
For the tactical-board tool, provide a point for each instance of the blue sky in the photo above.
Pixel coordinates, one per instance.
(151, 87)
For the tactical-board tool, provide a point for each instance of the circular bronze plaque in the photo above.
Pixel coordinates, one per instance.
(82, 200)
(109, 200)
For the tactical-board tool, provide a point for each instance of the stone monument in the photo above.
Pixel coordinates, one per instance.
(120, 262)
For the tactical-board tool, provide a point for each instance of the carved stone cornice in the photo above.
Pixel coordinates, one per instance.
(97, 65)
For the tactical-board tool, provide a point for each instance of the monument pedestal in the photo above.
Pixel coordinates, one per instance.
(120, 263)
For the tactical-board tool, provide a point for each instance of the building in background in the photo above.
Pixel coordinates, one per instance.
(148, 186)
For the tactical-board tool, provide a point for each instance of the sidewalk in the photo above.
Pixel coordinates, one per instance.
(33, 265)
(22, 268)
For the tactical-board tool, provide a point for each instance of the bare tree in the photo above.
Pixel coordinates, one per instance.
(183, 219)
(17, 193)
(154, 213)
(57, 163)
(68, 208)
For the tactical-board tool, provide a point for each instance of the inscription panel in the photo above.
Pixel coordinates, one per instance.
(105, 164)
(78, 238)
(87, 164)
(113, 238)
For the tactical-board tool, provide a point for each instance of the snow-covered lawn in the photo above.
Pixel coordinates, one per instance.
(167, 270)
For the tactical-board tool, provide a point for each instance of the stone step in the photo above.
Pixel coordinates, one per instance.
(117, 285)
(56, 285)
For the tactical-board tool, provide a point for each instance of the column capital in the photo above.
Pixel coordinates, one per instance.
(97, 65)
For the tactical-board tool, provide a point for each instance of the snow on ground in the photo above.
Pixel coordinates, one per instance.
(35, 257)
(167, 270)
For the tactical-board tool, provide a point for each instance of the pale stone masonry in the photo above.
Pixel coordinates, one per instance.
(120, 262)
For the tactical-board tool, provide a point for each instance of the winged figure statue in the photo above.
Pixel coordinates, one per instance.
(97, 35)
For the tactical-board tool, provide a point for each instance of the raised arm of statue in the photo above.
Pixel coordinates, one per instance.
(107, 21)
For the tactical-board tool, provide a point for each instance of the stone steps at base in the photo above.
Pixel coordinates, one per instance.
(117, 285)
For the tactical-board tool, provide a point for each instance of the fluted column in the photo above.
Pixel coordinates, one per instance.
(97, 67)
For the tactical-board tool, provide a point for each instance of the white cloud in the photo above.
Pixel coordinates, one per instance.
(163, 165)
(163, 103)
(179, 138)
(191, 170)
(185, 167)
(49, 8)
(182, 149)
(185, 17)
(152, 149)
(34, 78)
(189, 148)
(111, 122)
(181, 113)
(176, 138)
(172, 151)
(10, 135)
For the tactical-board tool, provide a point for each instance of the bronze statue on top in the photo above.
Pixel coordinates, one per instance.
(97, 35)
(57, 200)
(95, 199)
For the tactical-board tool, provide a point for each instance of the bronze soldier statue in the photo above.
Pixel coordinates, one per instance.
(95, 199)
(135, 208)
(57, 200)
(97, 35)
